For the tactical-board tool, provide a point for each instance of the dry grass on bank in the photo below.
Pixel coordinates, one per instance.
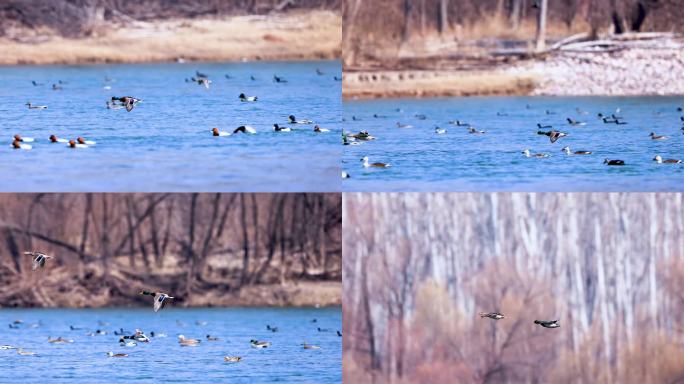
(292, 36)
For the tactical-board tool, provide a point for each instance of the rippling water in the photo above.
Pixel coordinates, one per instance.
(163, 359)
(165, 144)
(458, 161)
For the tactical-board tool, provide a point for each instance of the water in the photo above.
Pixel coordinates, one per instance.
(163, 359)
(165, 143)
(458, 161)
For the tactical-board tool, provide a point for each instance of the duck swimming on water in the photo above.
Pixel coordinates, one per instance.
(660, 160)
(568, 152)
(293, 120)
(527, 153)
(366, 164)
(244, 129)
(613, 162)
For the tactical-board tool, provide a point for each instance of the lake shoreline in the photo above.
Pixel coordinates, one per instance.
(294, 36)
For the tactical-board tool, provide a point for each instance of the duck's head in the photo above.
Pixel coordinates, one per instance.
(28, 103)
(215, 131)
(17, 137)
(658, 158)
(253, 341)
(292, 118)
(317, 128)
(80, 140)
(652, 134)
(526, 152)
(566, 149)
(72, 143)
(181, 337)
(605, 161)
(364, 159)
(53, 138)
(242, 96)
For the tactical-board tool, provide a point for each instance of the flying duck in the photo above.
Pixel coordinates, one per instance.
(492, 315)
(553, 135)
(318, 129)
(55, 139)
(400, 125)
(658, 137)
(440, 131)
(215, 132)
(112, 354)
(39, 259)
(310, 346)
(660, 160)
(366, 164)
(247, 98)
(526, 153)
(568, 152)
(160, 299)
(259, 344)
(245, 129)
(187, 342)
(548, 324)
(232, 359)
(613, 162)
(575, 122)
(128, 101)
(278, 128)
(31, 106)
(202, 81)
(293, 120)
(474, 131)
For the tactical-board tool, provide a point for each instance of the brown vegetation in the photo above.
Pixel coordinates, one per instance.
(206, 249)
(419, 267)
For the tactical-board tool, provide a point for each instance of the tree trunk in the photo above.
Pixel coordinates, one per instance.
(443, 16)
(541, 26)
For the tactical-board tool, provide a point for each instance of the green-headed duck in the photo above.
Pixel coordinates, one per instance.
(548, 324)
(39, 259)
(160, 298)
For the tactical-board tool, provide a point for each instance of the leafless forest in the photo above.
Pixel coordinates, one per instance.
(419, 267)
(79, 17)
(507, 21)
(206, 249)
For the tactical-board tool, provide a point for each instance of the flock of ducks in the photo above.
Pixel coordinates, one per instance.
(499, 316)
(545, 130)
(129, 103)
(160, 299)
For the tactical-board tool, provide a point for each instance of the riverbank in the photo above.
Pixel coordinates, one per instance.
(297, 35)
(639, 68)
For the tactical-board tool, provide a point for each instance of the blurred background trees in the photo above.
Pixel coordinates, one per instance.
(419, 267)
(393, 27)
(200, 247)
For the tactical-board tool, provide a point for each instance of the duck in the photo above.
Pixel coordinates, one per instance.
(400, 125)
(73, 144)
(337, 78)
(201, 75)
(345, 175)
(543, 126)
(420, 116)
(259, 344)
(318, 129)
(366, 164)
(553, 135)
(112, 354)
(6, 347)
(83, 141)
(124, 343)
(247, 98)
(139, 336)
(187, 342)
(36, 84)
(39, 259)
(59, 340)
(56, 87)
(279, 79)
(215, 132)
(128, 101)
(20, 351)
(568, 152)
(658, 137)
(212, 338)
(55, 139)
(160, 298)
(660, 160)
(111, 105)
(613, 162)
(319, 329)
(23, 139)
(492, 315)
(339, 334)
(272, 329)
(31, 106)
(440, 131)
(13, 326)
(458, 123)
(575, 122)
(16, 144)
(202, 81)
(232, 359)
(474, 131)
(294, 120)
(548, 324)
(278, 128)
(362, 135)
(310, 346)
(244, 129)
(526, 153)
(319, 72)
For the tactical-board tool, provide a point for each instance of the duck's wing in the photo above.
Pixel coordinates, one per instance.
(41, 260)
(553, 137)
(158, 303)
(129, 105)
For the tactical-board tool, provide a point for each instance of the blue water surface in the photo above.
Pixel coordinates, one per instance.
(165, 143)
(458, 161)
(163, 359)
